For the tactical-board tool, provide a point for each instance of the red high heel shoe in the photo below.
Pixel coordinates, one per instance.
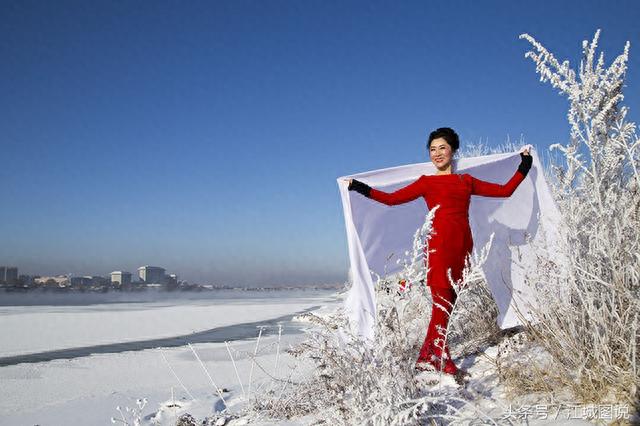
(435, 361)
(449, 367)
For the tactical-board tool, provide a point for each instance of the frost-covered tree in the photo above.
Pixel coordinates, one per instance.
(592, 332)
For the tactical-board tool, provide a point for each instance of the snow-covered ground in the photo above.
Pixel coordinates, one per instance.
(87, 390)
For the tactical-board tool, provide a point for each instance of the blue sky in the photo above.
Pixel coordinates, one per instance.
(206, 137)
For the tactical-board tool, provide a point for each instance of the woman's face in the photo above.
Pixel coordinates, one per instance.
(440, 153)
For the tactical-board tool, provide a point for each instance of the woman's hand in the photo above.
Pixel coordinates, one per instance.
(525, 162)
(361, 187)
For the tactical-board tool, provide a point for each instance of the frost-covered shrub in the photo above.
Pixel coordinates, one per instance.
(591, 329)
(353, 383)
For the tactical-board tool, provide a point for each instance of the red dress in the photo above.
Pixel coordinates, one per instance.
(451, 240)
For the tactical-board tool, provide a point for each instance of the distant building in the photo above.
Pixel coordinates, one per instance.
(120, 278)
(85, 281)
(172, 281)
(152, 275)
(25, 280)
(8, 275)
(57, 281)
(100, 281)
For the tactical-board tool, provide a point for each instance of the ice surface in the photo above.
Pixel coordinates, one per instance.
(87, 390)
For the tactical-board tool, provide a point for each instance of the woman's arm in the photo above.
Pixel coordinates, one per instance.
(488, 189)
(401, 196)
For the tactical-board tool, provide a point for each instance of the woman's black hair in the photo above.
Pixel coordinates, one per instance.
(448, 134)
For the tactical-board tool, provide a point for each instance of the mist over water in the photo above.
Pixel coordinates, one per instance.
(47, 298)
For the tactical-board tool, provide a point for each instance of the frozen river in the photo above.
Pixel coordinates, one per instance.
(64, 323)
(74, 363)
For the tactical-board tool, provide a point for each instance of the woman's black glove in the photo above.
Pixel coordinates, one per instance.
(525, 164)
(360, 187)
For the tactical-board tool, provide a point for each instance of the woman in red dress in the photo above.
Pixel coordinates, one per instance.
(451, 241)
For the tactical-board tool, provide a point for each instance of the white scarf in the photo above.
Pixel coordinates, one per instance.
(375, 230)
